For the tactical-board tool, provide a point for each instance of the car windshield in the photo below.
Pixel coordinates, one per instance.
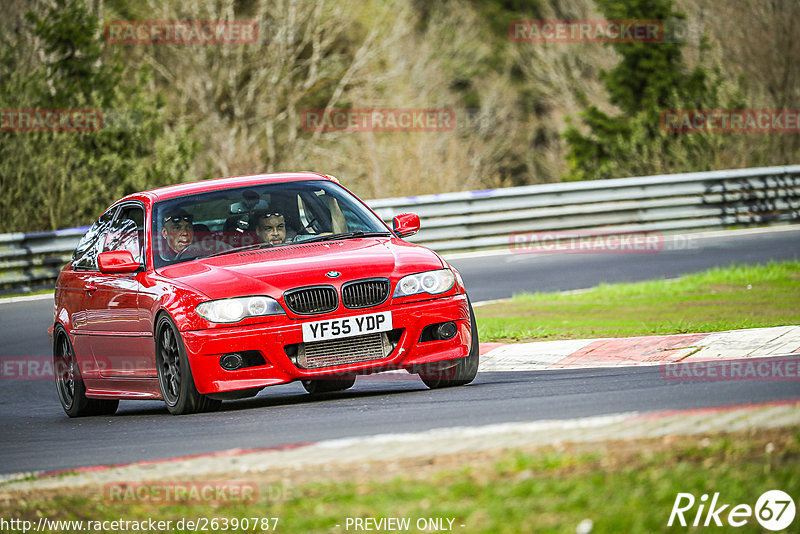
(276, 214)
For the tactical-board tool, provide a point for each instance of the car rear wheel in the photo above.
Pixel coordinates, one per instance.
(461, 373)
(174, 374)
(328, 385)
(69, 384)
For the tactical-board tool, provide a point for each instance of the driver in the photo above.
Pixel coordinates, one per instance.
(271, 228)
(177, 231)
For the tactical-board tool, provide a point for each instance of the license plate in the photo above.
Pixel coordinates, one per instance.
(347, 326)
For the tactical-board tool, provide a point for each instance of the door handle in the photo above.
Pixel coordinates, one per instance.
(90, 288)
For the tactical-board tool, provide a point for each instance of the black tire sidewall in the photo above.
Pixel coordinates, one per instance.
(324, 385)
(189, 400)
(81, 404)
(472, 361)
(179, 406)
(466, 368)
(79, 400)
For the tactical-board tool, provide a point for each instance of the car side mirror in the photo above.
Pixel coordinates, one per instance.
(117, 261)
(405, 224)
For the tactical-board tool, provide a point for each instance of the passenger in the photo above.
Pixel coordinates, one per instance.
(177, 231)
(251, 200)
(271, 228)
(244, 212)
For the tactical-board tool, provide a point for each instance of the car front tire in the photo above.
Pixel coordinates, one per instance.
(464, 371)
(328, 385)
(69, 384)
(175, 375)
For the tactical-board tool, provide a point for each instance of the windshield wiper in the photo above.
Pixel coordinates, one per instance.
(345, 235)
(241, 249)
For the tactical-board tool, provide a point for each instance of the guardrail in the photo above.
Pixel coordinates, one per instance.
(664, 203)
(474, 220)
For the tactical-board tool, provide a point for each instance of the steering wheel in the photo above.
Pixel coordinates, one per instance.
(195, 246)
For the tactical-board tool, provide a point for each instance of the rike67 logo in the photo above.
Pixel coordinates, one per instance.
(774, 510)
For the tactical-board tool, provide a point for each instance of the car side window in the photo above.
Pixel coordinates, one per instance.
(85, 256)
(322, 211)
(353, 222)
(312, 217)
(302, 212)
(127, 232)
(341, 214)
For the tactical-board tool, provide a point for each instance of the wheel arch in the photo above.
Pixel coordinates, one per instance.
(179, 306)
(162, 312)
(159, 314)
(58, 330)
(62, 319)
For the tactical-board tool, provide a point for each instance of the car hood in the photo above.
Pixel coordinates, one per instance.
(272, 271)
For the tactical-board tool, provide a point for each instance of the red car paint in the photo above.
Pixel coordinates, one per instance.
(110, 317)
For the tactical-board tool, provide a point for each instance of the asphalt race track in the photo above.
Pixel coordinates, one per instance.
(35, 434)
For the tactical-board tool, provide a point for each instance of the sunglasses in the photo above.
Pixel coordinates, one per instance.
(178, 218)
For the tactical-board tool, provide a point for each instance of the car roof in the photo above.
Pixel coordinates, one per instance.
(216, 184)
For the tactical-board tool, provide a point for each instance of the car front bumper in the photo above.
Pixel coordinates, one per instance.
(204, 348)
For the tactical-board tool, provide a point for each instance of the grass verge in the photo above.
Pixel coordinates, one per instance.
(26, 294)
(620, 486)
(739, 296)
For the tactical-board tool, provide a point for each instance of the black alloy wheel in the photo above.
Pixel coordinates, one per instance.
(69, 384)
(174, 374)
(464, 371)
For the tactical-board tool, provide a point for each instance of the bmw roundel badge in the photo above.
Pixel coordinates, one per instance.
(333, 274)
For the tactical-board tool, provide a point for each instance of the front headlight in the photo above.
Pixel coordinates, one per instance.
(433, 282)
(234, 310)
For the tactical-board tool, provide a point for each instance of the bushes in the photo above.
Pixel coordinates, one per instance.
(648, 79)
(179, 112)
(57, 179)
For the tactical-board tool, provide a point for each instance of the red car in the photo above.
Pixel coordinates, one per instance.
(202, 292)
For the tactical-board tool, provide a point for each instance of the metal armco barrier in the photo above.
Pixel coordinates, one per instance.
(30, 261)
(473, 220)
(665, 203)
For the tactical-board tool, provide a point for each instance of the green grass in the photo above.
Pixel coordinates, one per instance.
(620, 486)
(26, 294)
(728, 298)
